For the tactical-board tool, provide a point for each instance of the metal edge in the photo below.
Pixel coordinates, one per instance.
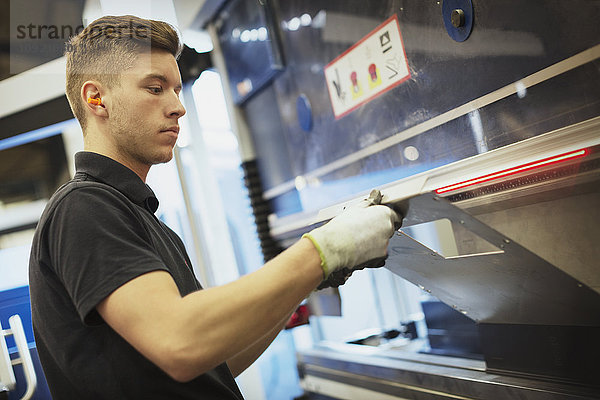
(573, 137)
(540, 76)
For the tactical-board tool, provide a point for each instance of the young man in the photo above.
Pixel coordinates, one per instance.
(117, 311)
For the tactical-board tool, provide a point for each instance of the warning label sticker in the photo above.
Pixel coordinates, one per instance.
(369, 68)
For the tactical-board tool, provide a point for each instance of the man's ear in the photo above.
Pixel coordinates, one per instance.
(91, 94)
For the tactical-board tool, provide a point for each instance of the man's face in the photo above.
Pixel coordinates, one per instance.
(145, 109)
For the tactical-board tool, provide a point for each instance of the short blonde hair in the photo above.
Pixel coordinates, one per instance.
(108, 46)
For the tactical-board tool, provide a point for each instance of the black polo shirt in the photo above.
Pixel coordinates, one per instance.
(98, 232)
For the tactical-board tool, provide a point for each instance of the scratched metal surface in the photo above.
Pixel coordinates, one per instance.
(511, 39)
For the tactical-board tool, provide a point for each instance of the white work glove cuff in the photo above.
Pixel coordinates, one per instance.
(330, 258)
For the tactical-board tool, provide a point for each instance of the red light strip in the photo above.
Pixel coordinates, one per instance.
(515, 170)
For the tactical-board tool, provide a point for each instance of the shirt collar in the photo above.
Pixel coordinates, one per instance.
(115, 174)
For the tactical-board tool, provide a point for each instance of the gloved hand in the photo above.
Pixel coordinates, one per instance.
(338, 277)
(357, 237)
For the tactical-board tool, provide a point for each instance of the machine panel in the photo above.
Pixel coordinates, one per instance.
(527, 68)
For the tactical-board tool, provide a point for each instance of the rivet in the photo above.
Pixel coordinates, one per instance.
(457, 17)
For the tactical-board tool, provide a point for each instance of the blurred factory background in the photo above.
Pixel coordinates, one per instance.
(480, 120)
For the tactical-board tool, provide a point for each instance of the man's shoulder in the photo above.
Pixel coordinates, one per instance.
(86, 198)
(80, 207)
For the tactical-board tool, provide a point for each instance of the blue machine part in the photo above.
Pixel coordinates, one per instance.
(250, 46)
(304, 113)
(458, 18)
(17, 301)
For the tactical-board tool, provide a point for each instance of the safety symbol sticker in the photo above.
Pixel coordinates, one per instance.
(369, 68)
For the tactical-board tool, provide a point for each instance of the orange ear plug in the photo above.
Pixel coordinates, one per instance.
(97, 102)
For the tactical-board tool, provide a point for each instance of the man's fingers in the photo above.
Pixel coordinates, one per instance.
(375, 197)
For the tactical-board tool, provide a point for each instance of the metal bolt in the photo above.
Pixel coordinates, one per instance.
(457, 18)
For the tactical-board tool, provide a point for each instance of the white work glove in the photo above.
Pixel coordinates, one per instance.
(355, 239)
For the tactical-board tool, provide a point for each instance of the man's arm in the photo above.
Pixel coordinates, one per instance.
(209, 327)
(243, 360)
(188, 336)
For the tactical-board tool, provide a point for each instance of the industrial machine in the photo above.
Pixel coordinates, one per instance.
(480, 121)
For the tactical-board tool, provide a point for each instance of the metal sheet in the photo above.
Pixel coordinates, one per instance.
(512, 285)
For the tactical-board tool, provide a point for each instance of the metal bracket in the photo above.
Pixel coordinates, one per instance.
(513, 285)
